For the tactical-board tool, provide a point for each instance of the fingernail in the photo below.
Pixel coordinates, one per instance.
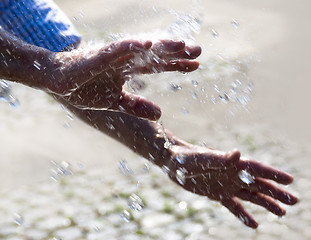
(157, 114)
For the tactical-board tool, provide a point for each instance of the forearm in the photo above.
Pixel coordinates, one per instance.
(144, 137)
(22, 62)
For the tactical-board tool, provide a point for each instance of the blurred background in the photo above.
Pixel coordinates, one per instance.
(60, 179)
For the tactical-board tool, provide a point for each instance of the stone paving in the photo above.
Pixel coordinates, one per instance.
(136, 201)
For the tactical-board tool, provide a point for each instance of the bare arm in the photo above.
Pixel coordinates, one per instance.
(22, 62)
(203, 171)
(91, 78)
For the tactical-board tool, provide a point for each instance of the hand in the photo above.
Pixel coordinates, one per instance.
(217, 175)
(94, 80)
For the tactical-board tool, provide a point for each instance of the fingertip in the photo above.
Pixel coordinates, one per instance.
(194, 51)
(173, 46)
(292, 200)
(196, 65)
(253, 225)
(198, 50)
(290, 179)
(248, 221)
(157, 114)
(284, 178)
(234, 155)
(147, 44)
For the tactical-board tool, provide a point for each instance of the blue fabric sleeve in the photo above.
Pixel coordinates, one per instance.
(38, 22)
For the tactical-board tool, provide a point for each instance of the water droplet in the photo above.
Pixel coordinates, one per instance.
(37, 65)
(244, 219)
(193, 180)
(69, 115)
(126, 216)
(175, 87)
(185, 110)
(246, 177)
(110, 126)
(74, 18)
(146, 168)
(195, 83)
(234, 23)
(214, 33)
(167, 144)
(180, 175)
(156, 59)
(165, 169)
(182, 205)
(124, 168)
(224, 98)
(135, 203)
(6, 94)
(96, 228)
(81, 14)
(151, 157)
(180, 158)
(60, 170)
(213, 99)
(195, 95)
(18, 219)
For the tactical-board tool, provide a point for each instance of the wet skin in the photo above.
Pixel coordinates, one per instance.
(84, 84)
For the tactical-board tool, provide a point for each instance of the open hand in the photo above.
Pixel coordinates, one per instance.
(95, 79)
(225, 177)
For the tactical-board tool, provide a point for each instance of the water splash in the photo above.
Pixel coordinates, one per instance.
(185, 27)
(167, 143)
(6, 94)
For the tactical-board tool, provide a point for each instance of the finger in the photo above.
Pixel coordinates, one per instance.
(258, 169)
(178, 65)
(234, 206)
(138, 106)
(262, 200)
(189, 52)
(168, 49)
(105, 57)
(167, 46)
(269, 189)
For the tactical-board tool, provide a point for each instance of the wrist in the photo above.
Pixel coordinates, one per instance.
(167, 150)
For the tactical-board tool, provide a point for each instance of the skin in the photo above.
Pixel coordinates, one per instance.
(92, 89)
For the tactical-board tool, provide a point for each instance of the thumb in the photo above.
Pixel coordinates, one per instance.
(138, 106)
(233, 157)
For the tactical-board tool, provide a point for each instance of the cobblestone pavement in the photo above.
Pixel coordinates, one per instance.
(137, 201)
